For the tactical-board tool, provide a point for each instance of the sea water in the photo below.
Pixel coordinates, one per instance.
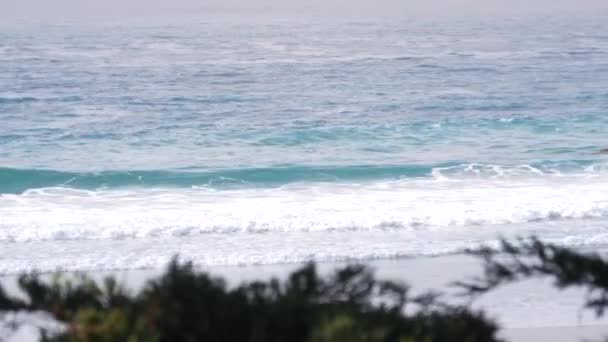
(241, 142)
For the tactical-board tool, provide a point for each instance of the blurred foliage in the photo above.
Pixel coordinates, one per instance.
(349, 305)
(527, 258)
(186, 305)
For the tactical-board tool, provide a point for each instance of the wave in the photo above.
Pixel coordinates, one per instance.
(414, 205)
(30, 99)
(17, 100)
(14, 180)
(19, 180)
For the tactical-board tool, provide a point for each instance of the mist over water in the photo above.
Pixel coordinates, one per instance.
(155, 11)
(239, 141)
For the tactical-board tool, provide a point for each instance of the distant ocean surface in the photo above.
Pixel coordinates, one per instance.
(244, 142)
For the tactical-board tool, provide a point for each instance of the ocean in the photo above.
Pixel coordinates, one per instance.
(244, 142)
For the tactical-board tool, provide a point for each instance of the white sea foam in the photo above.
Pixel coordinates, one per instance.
(242, 248)
(412, 205)
(68, 229)
(493, 171)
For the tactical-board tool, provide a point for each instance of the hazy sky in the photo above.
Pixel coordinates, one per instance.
(57, 10)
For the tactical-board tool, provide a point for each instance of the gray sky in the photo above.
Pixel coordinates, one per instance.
(58, 10)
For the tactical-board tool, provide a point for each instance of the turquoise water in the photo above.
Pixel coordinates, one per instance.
(284, 141)
(20, 180)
